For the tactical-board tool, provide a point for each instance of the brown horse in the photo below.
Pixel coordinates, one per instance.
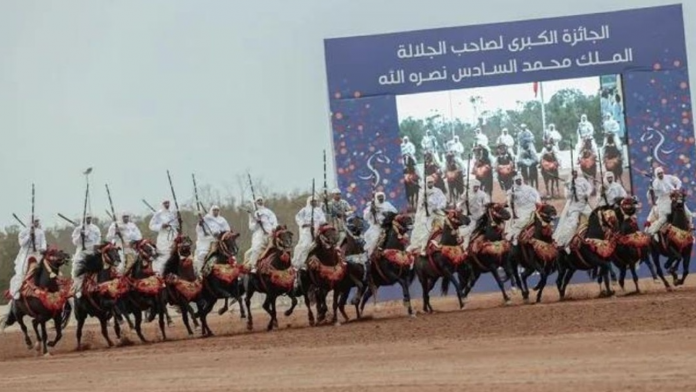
(455, 178)
(505, 167)
(482, 169)
(676, 240)
(411, 180)
(549, 171)
(613, 158)
(588, 159)
(433, 169)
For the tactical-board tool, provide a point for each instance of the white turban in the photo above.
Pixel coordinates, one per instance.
(659, 170)
(430, 179)
(518, 176)
(336, 191)
(475, 182)
(213, 207)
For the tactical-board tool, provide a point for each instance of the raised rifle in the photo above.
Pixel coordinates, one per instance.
(573, 190)
(65, 218)
(198, 206)
(311, 219)
(84, 218)
(113, 215)
(425, 189)
(19, 220)
(331, 213)
(601, 175)
(32, 232)
(651, 190)
(512, 200)
(253, 195)
(151, 208)
(466, 195)
(176, 204)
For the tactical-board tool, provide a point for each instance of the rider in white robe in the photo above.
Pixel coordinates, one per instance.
(338, 211)
(262, 222)
(426, 221)
(309, 216)
(92, 238)
(507, 140)
(612, 190)
(26, 251)
(525, 199)
(552, 136)
(478, 200)
(456, 148)
(585, 132)
(207, 228)
(663, 185)
(612, 127)
(407, 148)
(577, 204)
(164, 222)
(130, 232)
(373, 214)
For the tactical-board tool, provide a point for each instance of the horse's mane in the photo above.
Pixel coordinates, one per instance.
(93, 262)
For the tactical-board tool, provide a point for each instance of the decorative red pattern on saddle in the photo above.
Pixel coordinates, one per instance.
(636, 240)
(549, 165)
(499, 249)
(587, 162)
(545, 251)
(187, 289)
(401, 258)
(331, 273)
(612, 163)
(53, 302)
(411, 178)
(482, 171)
(114, 288)
(281, 278)
(453, 175)
(148, 286)
(228, 273)
(678, 237)
(505, 170)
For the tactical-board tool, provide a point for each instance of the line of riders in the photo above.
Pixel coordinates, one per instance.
(340, 249)
(506, 162)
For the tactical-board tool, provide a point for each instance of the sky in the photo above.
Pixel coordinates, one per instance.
(135, 88)
(454, 104)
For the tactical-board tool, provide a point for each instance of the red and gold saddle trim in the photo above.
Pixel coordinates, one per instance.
(331, 273)
(611, 163)
(480, 246)
(114, 288)
(228, 273)
(549, 165)
(280, 278)
(398, 257)
(546, 252)
(148, 286)
(635, 240)
(51, 301)
(505, 169)
(678, 237)
(188, 289)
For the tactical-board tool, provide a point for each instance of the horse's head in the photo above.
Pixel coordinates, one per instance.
(183, 245)
(498, 212)
(547, 212)
(677, 196)
(628, 205)
(607, 217)
(402, 223)
(327, 236)
(55, 257)
(146, 249)
(455, 218)
(227, 242)
(387, 218)
(355, 224)
(587, 142)
(282, 238)
(428, 157)
(501, 149)
(109, 253)
(610, 138)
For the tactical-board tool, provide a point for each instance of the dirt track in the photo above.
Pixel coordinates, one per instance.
(626, 343)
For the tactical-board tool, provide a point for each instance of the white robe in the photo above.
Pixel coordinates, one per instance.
(213, 226)
(165, 236)
(612, 191)
(570, 217)
(526, 199)
(130, 232)
(304, 217)
(408, 149)
(25, 252)
(262, 222)
(613, 127)
(663, 203)
(477, 207)
(92, 239)
(423, 223)
(375, 221)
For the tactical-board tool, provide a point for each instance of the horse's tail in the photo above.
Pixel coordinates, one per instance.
(65, 316)
(444, 285)
(7, 320)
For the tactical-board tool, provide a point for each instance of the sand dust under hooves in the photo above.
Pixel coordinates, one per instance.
(626, 343)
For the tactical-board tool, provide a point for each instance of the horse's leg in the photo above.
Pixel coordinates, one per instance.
(184, 316)
(686, 261)
(44, 339)
(622, 276)
(655, 252)
(336, 295)
(634, 274)
(407, 296)
(607, 283)
(457, 285)
(104, 331)
(543, 277)
(425, 287)
(310, 314)
(342, 304)
(267, 307)
(138, 320)
(224, 308)
(57, 323)
(117, 329)
(566, 280)
(160, 306)
(39, 339)
(247, 304)
(645, 259)
(25, 331)
(499, 281)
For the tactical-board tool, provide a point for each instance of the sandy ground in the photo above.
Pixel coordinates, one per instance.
(626, 343)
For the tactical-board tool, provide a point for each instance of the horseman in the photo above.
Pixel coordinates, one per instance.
(32, 242)
(456, 148)
(374, 216)
(89, 235)
(262, 222)
(308, 219)
(662, 186)
(551, 152)
(611, 128)
(407, 148)
(505, 139)
(429, 216)
(524, 138)
(429, 144)
(611, 189)
(528, 155)
(578, 191)
(481, 139)
(585, 132)
(164, 222)
(130, 232)
(478, 200)
(207, 229)
(552, 136)
(338, 210)
(523, 198)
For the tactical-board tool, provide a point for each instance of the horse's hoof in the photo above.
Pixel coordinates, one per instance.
(287, 313)
(51, 344)
(249, 327)
(46, 355)
(337, 323)
(412, 315)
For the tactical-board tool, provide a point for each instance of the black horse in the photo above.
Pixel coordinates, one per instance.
(146, 288)
(549, 171)
(535, 250)
(390, 263)
(433, 169)
(222, 275)
(591, 247)
(632, 245)
(588, 160)
(43, 297)
(613, 157)
(455, 178)
(505, 167)
(488, 249)
(101, 290)
(528, 163)
(411, 180)
(675, 240)
(482, 169)
(353, 248)
(445, 258)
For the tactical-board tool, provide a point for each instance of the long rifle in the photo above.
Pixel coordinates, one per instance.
(425, 188)
(601, 175)
(84, 218)
(466, 195)
(149, 206)
(109, 215)
(19, 220)
(326, 192)
(572, 178)
(651, 190)
(113, 215)
(33, 234)
(253, 195)
(198, 206)
(65, 218)
(311, 219)
(512, 199)
(176, 204)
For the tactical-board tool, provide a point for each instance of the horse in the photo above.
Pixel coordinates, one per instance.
(184, 287)
(43, 296)
(675, 240)
(535, 250)
(222, 275)
(146, 288)
(632, 245)
(588, 159)
(444, 259)
(482, 169)
(411, 180)
(592, 246)
(549, 171)
(455, 178)
(433, 169)
(353, 249)
(488, 248)
(101, 290)
(528, 162)
(505, 168)
(390, 263)
(274, 277)
(613, 157)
